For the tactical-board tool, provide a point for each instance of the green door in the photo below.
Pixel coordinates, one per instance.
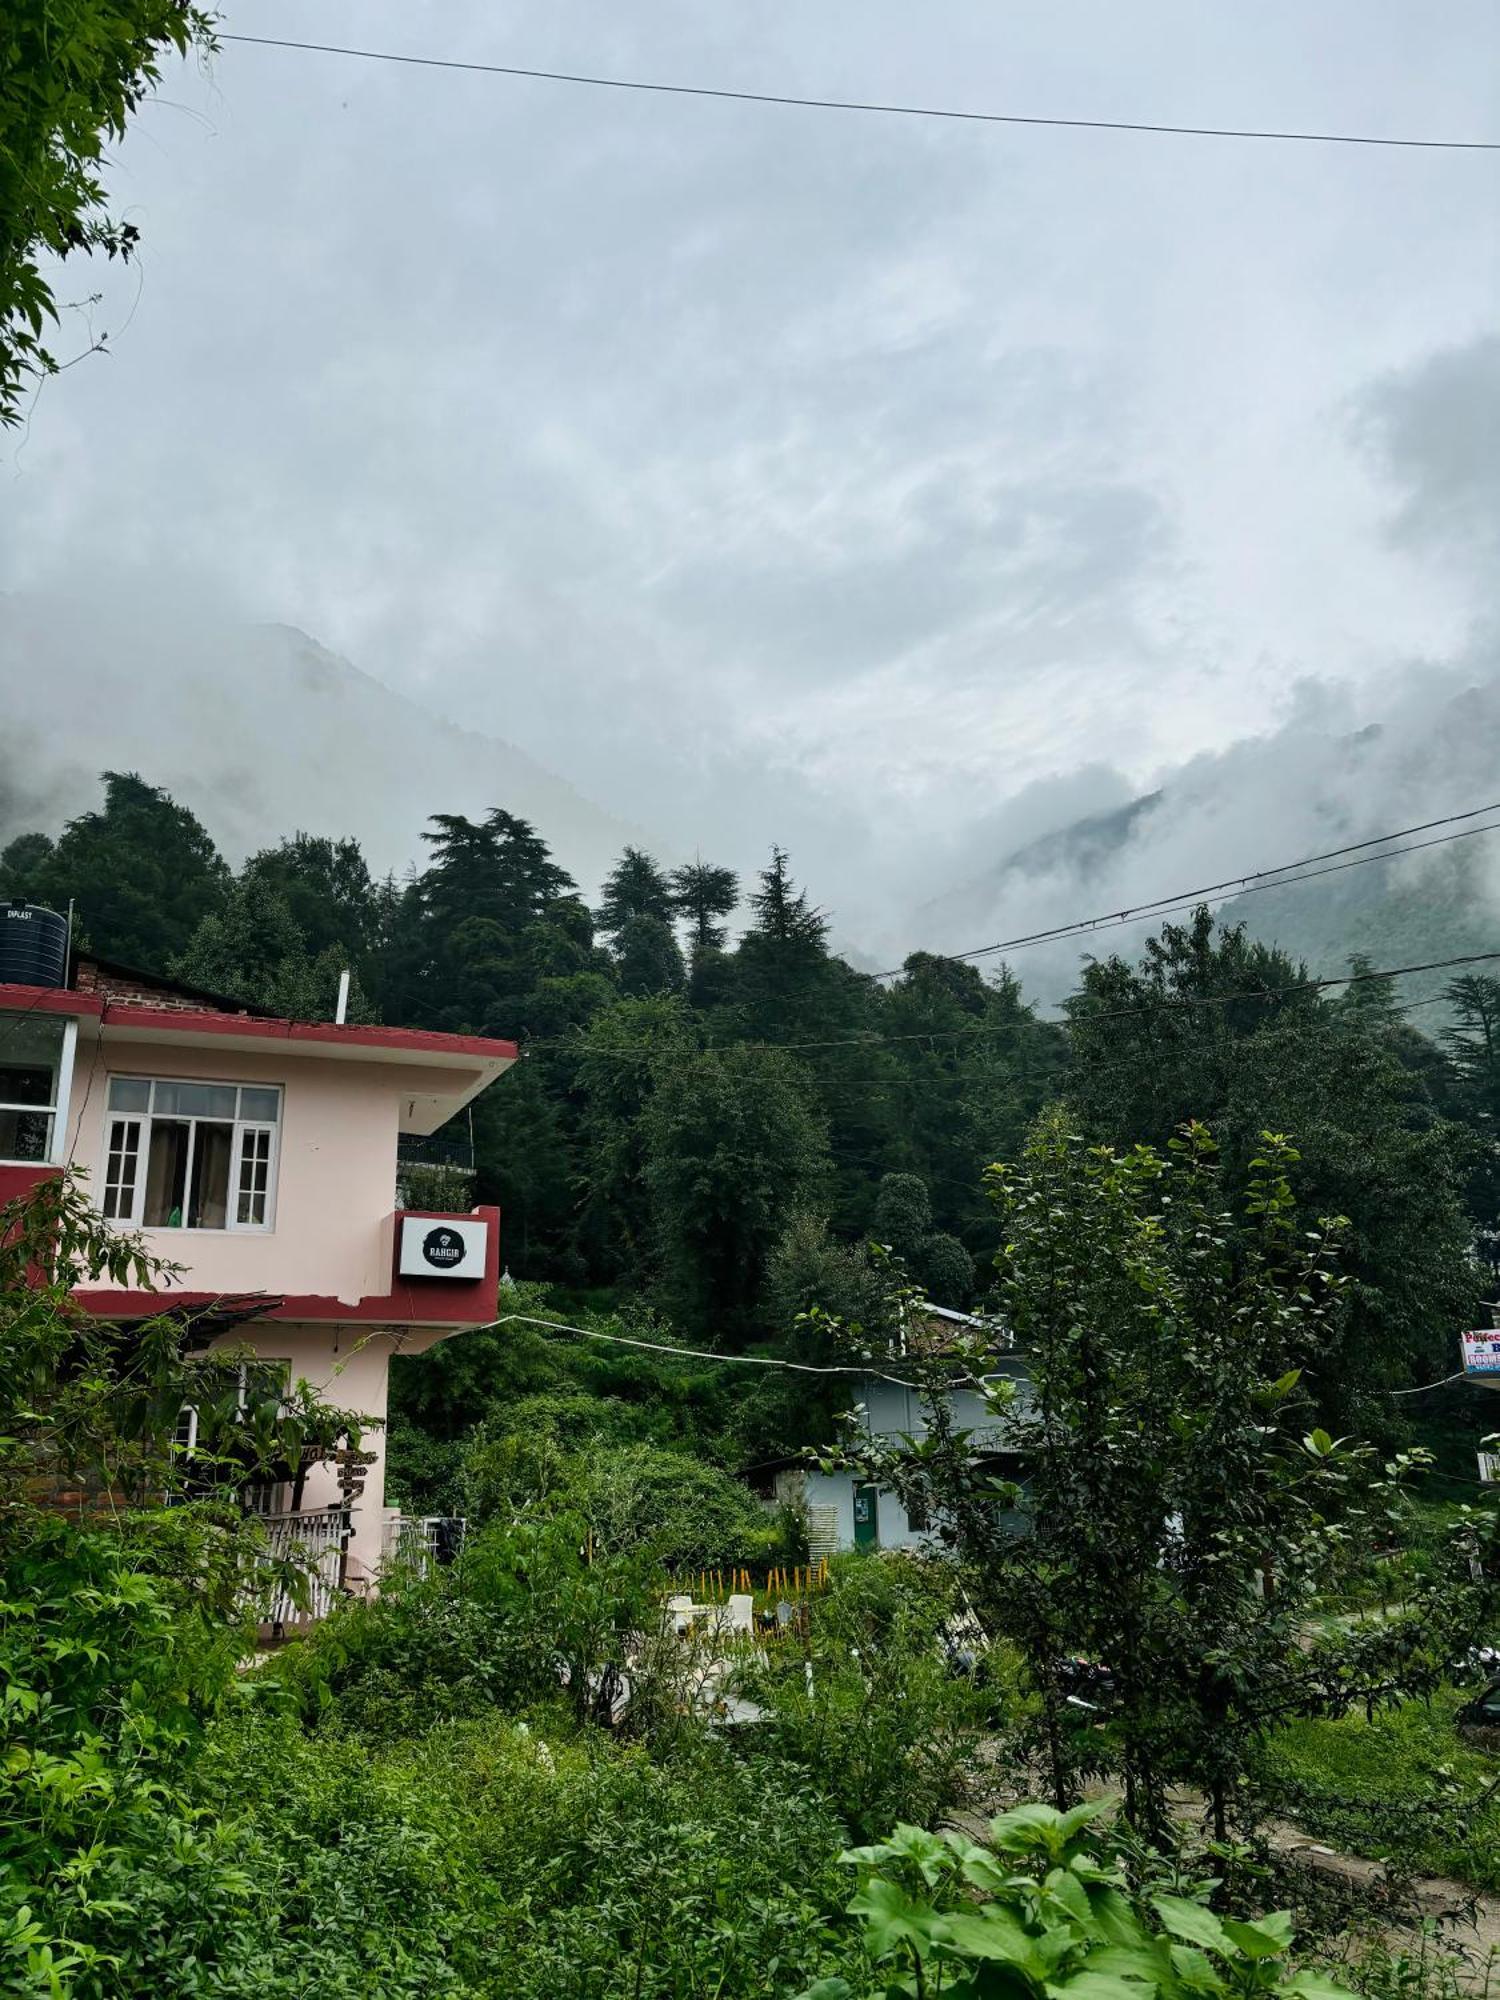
(866, 1519)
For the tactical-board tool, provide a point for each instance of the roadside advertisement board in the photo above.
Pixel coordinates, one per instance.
(1482, 1352)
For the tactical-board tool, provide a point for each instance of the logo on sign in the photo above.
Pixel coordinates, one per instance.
(443, 1248)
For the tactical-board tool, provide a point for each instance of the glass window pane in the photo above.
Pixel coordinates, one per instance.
(25, 1135)
(255, 1157)
(129, 1093)
(25, 1083)
(208, 1196)
(166, 1173)
(121, 1167)
(32, 1042)
(194, 1100)
(262, 1105)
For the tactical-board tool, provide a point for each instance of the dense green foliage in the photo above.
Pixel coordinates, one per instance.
(1206, 1029)
(121, 1617)
(1043, 1911)
(1186, 1515)
(717, 1126)
(509, 1778)
(1399, 1782)
(72, 73)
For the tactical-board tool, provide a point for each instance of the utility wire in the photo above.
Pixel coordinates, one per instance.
(1030, 1074)
(1422, 1387)
(791, 1367)
(701, 1354)
(595, 82)
(1233, 885)
(1090, 1015)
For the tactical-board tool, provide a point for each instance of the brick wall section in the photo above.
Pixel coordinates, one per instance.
(163, 997)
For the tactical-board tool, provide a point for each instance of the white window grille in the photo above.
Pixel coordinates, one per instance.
(185, 1154)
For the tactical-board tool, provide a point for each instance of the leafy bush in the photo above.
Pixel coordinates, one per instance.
(1039, 1913)
(303, 1867)
(424, 1652)
(870, 1712)
(477, 1860)
(702, 1876)
(627, 1497)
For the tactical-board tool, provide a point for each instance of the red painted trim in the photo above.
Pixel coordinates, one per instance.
(415, 1042)
(410, 1302)
(16, 1181)
(49, 1000)
(476, 1305)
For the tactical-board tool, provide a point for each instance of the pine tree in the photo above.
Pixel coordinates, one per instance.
(327, 888)
(648, 958)
(782, 968)
(143, 874)
(704, 895)
(635, 887)
(733, 1149)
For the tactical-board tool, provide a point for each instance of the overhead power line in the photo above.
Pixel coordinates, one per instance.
(1423, 1387)
(858, 1368)
(1196, 999)
(871, 106)
(702, 1354)
(1232, 886)
(644, 1053)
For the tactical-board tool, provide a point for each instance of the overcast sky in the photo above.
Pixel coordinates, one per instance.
(769, 471)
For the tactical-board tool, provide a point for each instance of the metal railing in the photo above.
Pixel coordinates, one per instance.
(436, 1149)
(315, 1542)
(418, 1543)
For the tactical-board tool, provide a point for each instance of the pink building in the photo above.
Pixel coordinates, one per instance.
(260, 1155)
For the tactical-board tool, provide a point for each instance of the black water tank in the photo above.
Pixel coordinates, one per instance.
(33, 946)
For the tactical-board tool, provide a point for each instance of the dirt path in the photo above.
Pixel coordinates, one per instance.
(1466, 1921)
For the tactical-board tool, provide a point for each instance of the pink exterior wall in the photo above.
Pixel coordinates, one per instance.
(335, 1181)
(348, 1367)
(333, 1232)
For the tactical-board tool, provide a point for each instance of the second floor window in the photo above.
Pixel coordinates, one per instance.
(188, 1155)
(35, 1057)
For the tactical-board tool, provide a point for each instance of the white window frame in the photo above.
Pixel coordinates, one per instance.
(56, 1154)
(242, 1127)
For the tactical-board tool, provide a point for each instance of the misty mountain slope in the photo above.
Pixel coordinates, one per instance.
(1324, 780)
(259, 730)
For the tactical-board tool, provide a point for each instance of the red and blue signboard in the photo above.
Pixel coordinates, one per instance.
(1482, 1353)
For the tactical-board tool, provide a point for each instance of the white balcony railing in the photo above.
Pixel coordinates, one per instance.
(315, 1541)
(420, 1542)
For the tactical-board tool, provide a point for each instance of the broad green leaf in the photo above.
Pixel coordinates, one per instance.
(1115, 1920)
(993, 1933)
(1027, 1827)
(1193, 1922)
(1100, 1986)
(1312, 1985)
(1195, 1970)
(1069, 1891)
(1267, 1939)
(892, 1918)
(1078, 1817)
(1149, 1961)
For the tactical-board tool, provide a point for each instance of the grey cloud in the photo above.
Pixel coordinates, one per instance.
(1436, 429)
(770, 474)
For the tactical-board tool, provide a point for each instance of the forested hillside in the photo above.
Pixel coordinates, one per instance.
(718, 1125)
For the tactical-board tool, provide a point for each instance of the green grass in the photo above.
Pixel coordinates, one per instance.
(1402, 1786)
